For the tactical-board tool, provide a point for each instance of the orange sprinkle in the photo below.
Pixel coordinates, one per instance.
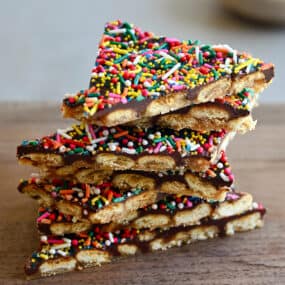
(83, 235)
(88, 241)
(178, 144)
(110, 196)
(66, 192)
(125, 92)
(87, 192)
(221, 49)
(121, 134)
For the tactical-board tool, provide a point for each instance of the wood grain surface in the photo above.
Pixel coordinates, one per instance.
(257, 257)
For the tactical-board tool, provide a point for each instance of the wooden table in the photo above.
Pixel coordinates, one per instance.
(257, 257)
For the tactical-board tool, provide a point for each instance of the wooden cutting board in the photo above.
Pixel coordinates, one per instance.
(257, 257)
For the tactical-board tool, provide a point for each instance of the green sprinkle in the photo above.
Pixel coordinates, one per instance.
(137, 78)
(140, 98)
(120, 44)
(201, 60)
(191, 50)
(216, 75)
(120, 59)
(165, 45)
(78, 149)
(122, 79)
(119, 199)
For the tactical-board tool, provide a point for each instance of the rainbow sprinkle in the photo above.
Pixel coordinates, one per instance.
(133, 65)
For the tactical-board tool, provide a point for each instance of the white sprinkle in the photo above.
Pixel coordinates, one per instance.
(151, 136)
(105, 133)
(224, 177)
(144, 142)
(162, 88)
(160, 174)
(173, 203)
(235, 58)
(112, 146)
(113, 130)
(85, 212)
(220, 165)
(137, 59)
(165, 55)
(107, 242)
(180, 205)
(52, 251)
(128, 83)
(128, 150)
(197, 51)
(248, 68)
(111, 237)
(99, 140)
(80, 194)
(163, 148)
(130, 144)
(154, 206)
(117, 31)
(97, 190)
(62, 253)
(67, 240)
(74, 219)
(43, 238)
(62, 133)
(158, 134)
(90, 148)
(255, 205)
(173, 69)
(129, 194)
(146, 84)
(62, 148)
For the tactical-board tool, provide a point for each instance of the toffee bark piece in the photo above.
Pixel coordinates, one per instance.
(138, 75)
(172, 211)
(111, 198)
(75, 252)
(123, 147)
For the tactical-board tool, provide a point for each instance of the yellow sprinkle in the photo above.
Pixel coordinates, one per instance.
(118, 88)
(86, 109)
(244, 64)
(77, 130)
(120, 51)
(44, 256)
(94, 110)
(94, 200)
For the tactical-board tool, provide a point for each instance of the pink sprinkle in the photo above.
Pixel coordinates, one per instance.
(208, 65)
(91, 132)
(200, 149)
(189, 204)
(178, 87)
(74, 242)
(231, 177)
(232, 196)
(171, 40)
(157, 148)
(57, 137)
(55, 241)
(43, 216)
(227, 171)
(114, 95)
(124, 100)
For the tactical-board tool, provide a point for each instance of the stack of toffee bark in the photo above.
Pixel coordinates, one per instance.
(145, 167)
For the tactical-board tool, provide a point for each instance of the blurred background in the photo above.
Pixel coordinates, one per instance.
(48, 47)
